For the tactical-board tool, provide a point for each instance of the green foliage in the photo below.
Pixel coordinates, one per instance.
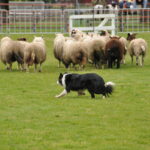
(31, 118)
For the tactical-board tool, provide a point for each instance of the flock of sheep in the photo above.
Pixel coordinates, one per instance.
(25, 53)
(100, 50)
(78, 49)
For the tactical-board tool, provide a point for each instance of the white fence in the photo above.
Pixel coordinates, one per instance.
(103, 19)
(22, 21)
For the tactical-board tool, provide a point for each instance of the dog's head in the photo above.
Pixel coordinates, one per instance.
(60, 79)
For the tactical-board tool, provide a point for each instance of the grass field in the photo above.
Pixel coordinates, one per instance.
(31, 118)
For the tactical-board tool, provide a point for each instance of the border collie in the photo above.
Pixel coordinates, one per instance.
(80, 82)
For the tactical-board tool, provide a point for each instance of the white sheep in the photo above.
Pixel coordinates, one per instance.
(137, 48)
(11, 51)
(94, 44)
(125, 45)
(74, 53)
(35, 53)
(95, 47)
(58, 47)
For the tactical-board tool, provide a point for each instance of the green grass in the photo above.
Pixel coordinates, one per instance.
(31, 118)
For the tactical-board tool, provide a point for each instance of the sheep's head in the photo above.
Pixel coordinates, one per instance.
(73, 31)
(104, 33)
(38, 39)
(76, 33)
(131, 36)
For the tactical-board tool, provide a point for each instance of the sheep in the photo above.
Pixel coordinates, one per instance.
(114, 52)
(74, 52)
(93, 43)
(11, 51)
(137, 47)
(125, 46)
(58, 47)
(105, 35)
(95, 48)
(77, 34)
(35, 53)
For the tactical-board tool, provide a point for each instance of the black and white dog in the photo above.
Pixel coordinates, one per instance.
(80, 82)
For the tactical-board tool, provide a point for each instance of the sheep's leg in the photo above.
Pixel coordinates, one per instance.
(110, 64)
(26, 66)
(137, 60)
(67, 66)
(40, 70)
(7, 67)
(118, 63)
(10, 66)
(19, 67)
(123, 60)
(141, 60)
(22, 66)
(131, 59)
(35, 67)
(74, 66)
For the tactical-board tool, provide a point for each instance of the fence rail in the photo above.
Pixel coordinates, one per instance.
(42, 20)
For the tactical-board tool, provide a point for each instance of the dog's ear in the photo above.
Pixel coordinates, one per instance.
(60, 75)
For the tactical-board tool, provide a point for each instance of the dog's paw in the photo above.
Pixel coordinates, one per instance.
(57, 96)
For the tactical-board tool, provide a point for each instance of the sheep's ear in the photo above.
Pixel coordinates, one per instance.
(129, 34)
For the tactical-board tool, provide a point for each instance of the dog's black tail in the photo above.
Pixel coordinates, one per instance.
(109, 87)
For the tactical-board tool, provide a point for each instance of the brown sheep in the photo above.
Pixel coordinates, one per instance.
(114, 52)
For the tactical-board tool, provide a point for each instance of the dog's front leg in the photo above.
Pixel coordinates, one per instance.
(63, 93)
